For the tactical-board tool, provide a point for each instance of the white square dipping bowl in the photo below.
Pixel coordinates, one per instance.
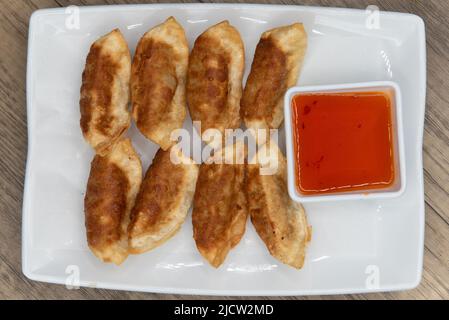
(399, 184)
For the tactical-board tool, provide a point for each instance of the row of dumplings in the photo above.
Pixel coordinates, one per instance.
(125, 214)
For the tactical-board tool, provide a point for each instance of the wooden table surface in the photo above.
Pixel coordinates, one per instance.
(13, 150)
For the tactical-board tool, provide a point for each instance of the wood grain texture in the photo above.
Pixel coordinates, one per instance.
(13, 149)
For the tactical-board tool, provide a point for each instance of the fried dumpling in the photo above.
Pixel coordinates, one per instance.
(104, 94)
(214, 78)
(219, 209)
(158, 79)
(163, 201)
(277, 62)
(112, 187)
(279, 221)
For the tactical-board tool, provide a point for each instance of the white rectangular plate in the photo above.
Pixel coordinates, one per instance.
(357, 246)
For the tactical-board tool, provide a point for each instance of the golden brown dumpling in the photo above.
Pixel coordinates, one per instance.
(163, 201)
(111, 191)
(279, 221)
(105, 92)
(214, 78)
(158, 82)
(220, 209)
(275, 68)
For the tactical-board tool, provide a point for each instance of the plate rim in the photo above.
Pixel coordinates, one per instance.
(421, 41)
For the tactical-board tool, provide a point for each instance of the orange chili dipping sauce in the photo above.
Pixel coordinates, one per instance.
(343, 142)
